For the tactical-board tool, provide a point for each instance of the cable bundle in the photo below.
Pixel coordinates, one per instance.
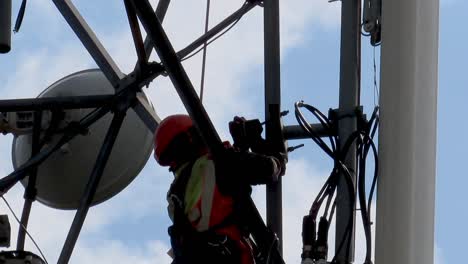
(315, 238)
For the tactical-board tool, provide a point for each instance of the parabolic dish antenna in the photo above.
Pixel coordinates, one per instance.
(61, 179)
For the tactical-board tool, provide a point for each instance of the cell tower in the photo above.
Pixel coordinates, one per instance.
(94, 116)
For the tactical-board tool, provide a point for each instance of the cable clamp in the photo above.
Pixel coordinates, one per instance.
(337, 115)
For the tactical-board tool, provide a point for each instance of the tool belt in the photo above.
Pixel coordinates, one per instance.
(203, 247)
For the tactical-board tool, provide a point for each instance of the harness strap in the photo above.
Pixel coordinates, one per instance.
(177, 196)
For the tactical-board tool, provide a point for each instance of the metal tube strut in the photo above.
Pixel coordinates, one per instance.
(216, 30)
(350, 70)
(92, 186)
(48, 103)
(273, 129)
(30, 190)
(161, 11)
(90, 41)
(297, 132)
(136, 34)
(178, 76)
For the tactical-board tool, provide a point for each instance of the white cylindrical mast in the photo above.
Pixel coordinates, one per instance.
(407, 135)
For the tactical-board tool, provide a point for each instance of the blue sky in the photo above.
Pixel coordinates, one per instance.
(132, 225)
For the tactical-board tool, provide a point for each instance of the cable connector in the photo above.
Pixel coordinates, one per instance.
(336, 115)
(321, 246)
(308, 238)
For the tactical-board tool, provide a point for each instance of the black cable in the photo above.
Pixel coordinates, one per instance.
(325, 123)
(24, 228)
(213, 40)
(270, 250)
(367, 144)
(376, 87)
(205, 46)
(306, 127)
(332, 213)
(19, 18)
(362, 201)
(374, 180)
(321, 196)
(348, 229)
(363, 139)
(329, 203)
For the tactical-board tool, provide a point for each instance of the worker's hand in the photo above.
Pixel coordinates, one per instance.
(282, 160)
(246, 133)
(238, 133)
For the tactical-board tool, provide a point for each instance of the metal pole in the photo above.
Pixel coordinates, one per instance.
(273, 130)
(48, 103)
(178, 76)
(5, 26)
(136, 34)
(161, 10)
(296, 131)
(90, 41)
(146, 113)
(30, 191)
(407, 135)
(350, 72)
(92, 186)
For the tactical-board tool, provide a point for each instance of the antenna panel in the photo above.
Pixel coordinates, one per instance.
(62, 177)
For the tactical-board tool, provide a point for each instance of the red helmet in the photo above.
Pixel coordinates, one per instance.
(168, 129)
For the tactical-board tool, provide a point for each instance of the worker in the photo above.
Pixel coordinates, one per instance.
(208, 225)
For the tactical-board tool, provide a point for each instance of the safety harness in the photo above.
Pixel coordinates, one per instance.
(190, 245)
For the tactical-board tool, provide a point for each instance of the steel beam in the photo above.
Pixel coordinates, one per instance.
(161, 11)
(407, 134)
(178, 76)
(30, 190)
(142, 107)
(297, 132)
(146, 113)
(48, 103)
(350, 71)
(136, 34)
(273, 128)
(90, 41)
(91, 186)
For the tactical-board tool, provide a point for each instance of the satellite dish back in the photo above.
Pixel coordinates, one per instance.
(63, 176)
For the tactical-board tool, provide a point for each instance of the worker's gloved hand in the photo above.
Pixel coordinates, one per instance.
(238, 133)
(231, 170)
(282, 159)
(246, 133)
